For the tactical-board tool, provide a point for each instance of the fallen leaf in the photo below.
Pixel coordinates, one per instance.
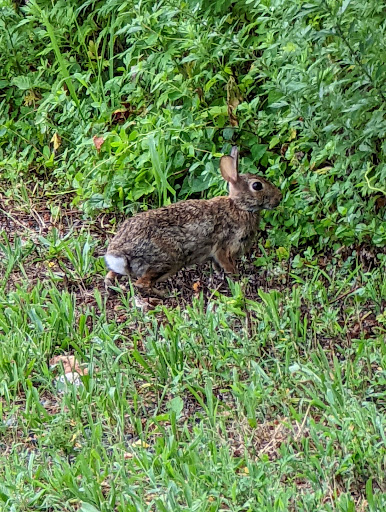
(121, 114)
(70, 365)
(146, 303)
(197, 286)
(141, 444)
(98, 141)
(57, 140)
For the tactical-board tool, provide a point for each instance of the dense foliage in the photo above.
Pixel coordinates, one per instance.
(167, 86)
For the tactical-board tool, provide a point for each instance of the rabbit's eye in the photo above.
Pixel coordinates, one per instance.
(256, 185)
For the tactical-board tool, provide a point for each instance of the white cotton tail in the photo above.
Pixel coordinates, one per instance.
(117, 264)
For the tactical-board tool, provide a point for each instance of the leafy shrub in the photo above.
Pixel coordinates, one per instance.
(166, 87)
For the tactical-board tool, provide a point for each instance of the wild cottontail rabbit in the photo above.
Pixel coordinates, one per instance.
(153, 245)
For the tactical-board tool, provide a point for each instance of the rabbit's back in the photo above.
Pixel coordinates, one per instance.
(185, 218)
(178, 230)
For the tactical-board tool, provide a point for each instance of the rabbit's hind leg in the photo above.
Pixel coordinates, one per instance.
(110, 278)
(146, 284)
(224, 259)
(110, 281)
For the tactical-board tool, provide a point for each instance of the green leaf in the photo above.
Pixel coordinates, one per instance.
(176, 405)
(369, 494)
(218, 111)
(274, 141)
(344, 6)
(87, 507)
(258, 151)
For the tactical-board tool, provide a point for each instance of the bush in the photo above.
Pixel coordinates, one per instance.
(131, 105)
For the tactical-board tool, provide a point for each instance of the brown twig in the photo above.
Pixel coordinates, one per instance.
(345, 294)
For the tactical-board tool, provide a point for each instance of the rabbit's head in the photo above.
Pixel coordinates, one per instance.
(249, 191)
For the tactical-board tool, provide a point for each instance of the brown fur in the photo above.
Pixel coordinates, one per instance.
(157, 243)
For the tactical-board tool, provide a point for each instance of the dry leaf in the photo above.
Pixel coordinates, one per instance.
(57, 140)
(283, 149)
(197, 286)
(234, 99)
(121, 114)
(232, 117)
(70, 365)
(380, 203)
(146, 303)
(98, 141)
(141, 444)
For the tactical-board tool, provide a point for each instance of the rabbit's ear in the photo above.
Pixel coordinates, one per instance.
(228, 167)
(235, 156)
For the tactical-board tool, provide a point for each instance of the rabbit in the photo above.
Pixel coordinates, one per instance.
(153, 245)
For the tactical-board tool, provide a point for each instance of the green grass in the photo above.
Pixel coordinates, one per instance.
(271, 404)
